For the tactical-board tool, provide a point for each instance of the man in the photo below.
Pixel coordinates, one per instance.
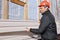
(47, 27)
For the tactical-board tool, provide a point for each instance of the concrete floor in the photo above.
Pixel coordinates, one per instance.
(16, 36)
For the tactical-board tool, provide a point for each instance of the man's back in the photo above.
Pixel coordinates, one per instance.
(50, 31)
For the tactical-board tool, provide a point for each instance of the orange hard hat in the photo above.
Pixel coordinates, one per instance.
(44, 3)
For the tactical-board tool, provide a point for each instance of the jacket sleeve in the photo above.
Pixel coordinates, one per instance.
(35, 31)
(43, 26)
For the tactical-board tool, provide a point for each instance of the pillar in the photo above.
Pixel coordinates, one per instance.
(4, 9)
(26, 10)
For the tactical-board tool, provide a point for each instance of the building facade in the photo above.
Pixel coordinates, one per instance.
(30, 11)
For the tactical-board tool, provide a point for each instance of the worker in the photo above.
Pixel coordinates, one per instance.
(47, 28)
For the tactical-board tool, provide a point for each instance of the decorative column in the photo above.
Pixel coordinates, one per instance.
(4, 9)
(38, 1)
(26, 10)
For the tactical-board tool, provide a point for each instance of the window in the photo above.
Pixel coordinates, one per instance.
(32, 9)
(0, 8)
(58, 9)
(16, 11)
(20, 9)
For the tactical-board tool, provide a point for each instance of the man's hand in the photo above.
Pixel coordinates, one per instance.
(28, 29)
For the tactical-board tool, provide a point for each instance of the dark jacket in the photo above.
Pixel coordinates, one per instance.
(47, 27)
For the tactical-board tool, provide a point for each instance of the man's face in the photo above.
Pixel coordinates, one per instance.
(42, 9)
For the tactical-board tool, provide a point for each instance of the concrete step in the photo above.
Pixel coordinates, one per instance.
(13, 29)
